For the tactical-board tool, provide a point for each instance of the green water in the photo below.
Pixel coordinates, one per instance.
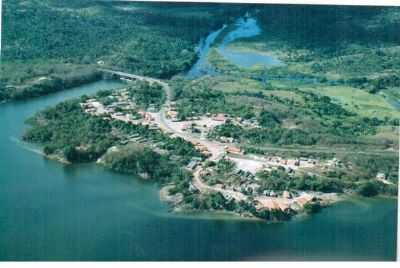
(53, 212)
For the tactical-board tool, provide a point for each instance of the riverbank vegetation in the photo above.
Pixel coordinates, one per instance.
(22, 81)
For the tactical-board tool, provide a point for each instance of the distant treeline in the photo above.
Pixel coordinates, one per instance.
(50, 84)
(155, 40)
(152, 40)
(330, 27)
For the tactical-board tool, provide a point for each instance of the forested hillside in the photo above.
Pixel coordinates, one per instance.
(140, 38)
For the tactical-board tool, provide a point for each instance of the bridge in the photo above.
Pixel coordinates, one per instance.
(130, 77)
(134, 77)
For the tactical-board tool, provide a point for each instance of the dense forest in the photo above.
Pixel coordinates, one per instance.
(160, 39)
(330, 27)
(156, 40)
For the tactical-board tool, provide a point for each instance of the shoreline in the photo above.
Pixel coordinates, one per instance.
(327, 199)
(316, 200)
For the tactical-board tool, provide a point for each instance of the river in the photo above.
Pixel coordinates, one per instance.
(49, 211)
(243, 28)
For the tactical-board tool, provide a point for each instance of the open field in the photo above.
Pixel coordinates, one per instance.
(358, 101)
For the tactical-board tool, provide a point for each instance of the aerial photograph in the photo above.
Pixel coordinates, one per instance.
(184, 131)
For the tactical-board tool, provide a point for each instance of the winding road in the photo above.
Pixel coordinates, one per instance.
(216, 149)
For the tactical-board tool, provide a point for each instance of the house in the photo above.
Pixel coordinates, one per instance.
(205, 173)
(207, 153)
(219, 117)
(226, 139)
(152, 109)
(192, 165)
(174, 158)
(172, 114)
(273, 194)
(148, 117)
(380, 176)
(233, 150)
(283, 206)
(286, 194)
(192, 188)
(267, 203)
(304, 199)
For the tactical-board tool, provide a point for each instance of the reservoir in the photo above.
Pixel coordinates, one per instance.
(49, 211)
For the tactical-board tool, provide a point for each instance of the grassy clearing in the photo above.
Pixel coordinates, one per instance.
(252, 86)
(234, 86)
(387, 133)
(358, 101)
(291, 95)
(258, 48)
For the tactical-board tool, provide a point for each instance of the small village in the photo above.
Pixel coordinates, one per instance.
(121, 106)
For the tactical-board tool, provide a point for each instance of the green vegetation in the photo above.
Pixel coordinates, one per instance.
(139, 160)
(301, 117)
(359, 101)
(143, 38)
(360, 178)
(68, 131)
(216, 201)
(280, 181)
(146, 94)
(26, 81)
(312, 207)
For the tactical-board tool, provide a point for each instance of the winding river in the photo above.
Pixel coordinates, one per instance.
(49, 211)
(243, 28)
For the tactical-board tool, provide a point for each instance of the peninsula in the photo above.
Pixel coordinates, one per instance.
(226, 116)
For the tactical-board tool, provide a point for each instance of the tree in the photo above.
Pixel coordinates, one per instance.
(368, 189)
(268, 119)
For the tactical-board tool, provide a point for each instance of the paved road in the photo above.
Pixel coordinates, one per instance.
(216, 149)
(140, 77)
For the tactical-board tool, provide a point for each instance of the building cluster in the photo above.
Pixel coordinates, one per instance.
(194, 162)
(290, 165)
(268, 199)
(284, 202)
(233, 150)
(171, 112)
(119, 106)
(202, 148)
